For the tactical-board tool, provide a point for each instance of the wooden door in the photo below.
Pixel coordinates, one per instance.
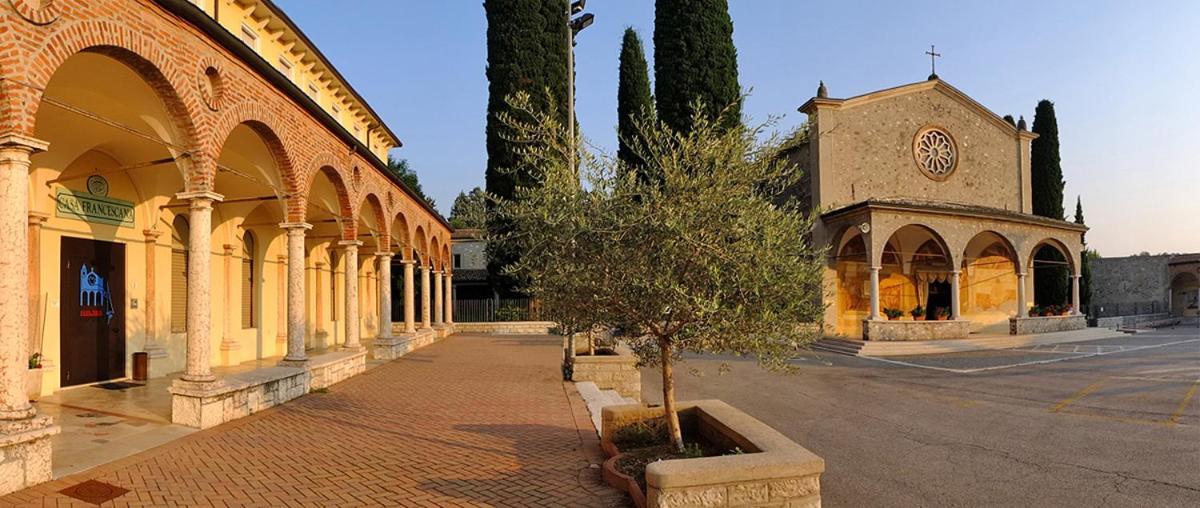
(92, 314)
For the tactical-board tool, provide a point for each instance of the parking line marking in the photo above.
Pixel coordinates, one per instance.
(1078, 395)
(1183, 404)
(1022, 364)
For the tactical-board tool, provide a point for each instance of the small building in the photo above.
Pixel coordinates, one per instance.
(1145, 285)
(469, 253)
(924, 200)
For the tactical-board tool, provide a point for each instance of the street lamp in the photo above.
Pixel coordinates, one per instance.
(574, 26)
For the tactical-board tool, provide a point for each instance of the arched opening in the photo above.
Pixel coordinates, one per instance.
(988, 283)
(373, 232)
(853, 298)
(1185, 295)
(915, 271)
(328, 210)
(114, 163)
(1051, 267)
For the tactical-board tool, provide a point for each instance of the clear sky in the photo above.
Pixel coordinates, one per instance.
(1124, 77)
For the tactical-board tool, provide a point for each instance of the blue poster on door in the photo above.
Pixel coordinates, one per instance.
(94, 300)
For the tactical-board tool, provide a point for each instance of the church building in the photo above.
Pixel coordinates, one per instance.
(924, 202)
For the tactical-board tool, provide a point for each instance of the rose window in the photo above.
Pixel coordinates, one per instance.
(935, 152)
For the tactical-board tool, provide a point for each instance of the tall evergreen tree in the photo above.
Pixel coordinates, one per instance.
(633, 96)
(694, 59)
(1051, 284)
(1045, 165)
(1085, 261)
(527, 52)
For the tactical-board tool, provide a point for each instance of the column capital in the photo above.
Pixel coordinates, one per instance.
(295, 225)
(151, 234)
(384, 255)
(876, 268)
(20, 141)
(1021, 274)
(407, 262)
(350, 244)
(319, 264)
(37, 218)
(200, 196)
(282, 258)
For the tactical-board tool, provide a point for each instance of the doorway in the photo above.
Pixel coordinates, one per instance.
(939, 298)
(92, 320)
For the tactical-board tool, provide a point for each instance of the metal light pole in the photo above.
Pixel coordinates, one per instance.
(574, 26)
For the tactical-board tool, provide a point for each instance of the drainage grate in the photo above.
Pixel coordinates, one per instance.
(94, 492)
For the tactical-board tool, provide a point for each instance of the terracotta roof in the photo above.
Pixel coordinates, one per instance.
(952, 208)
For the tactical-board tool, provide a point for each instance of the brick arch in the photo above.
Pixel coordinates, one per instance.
(400, 223)
(421, 245)
(350, 232)
(252, 116)
(371, 201)
(435, 253)
(142, 54)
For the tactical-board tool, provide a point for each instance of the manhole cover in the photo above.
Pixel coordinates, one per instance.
(94, 492)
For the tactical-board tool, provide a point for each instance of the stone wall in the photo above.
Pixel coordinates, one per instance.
(1047, 324)
(915, 330)
(332, 368)
(611, 372)
(204, 405)
(1130, 321)
(507, 327)
(1129, 282)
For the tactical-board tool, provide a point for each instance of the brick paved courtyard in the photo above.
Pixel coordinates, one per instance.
(470, 421)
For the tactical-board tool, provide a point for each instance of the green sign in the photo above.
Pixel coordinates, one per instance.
(89, 208)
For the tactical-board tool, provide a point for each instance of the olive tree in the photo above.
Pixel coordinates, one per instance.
(710, 256)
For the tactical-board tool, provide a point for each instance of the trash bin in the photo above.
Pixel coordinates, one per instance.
(141, 366)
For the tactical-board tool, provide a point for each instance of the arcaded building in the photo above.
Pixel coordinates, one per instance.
(923, 200)
(197, 182)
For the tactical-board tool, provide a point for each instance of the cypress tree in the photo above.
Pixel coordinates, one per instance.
(694, 59)
(527, 45)
(1045, 165)
(633, 96)
(1051, 284)
(1085, 259)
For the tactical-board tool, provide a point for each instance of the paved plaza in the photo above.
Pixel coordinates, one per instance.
(1101, 423)
(469, 421)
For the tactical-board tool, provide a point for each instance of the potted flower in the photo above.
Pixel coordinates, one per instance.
(943, 313)
(1065, 310)
(918, 313)
(892, 314)
(33, 380)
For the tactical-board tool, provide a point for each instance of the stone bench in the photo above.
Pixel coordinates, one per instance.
(329, 369)
(204, 405)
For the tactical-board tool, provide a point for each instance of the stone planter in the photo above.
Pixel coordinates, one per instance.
(916, 330)
(1046, 324)
(616, 371)
(772, 470)
(33, 383)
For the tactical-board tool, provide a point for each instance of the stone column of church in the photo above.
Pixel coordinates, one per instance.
(15, 151)
(351, 259)
(228, 343)
(955, 311)
(281, 303)
(317, 297)
(199, 291)
(152, 347)
(425, 324)
(410, 311)
(874, 293)
(385, 295)
(438, 299)
(1075, 297)
(296, 326)
(1021, 310)
(449, 305)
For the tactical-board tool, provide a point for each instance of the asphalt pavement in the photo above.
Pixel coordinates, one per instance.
(1103, 423)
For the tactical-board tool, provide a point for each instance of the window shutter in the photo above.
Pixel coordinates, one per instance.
(179, 283)
(248, 281)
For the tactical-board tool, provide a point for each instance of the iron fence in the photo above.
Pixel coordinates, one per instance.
(491, 310)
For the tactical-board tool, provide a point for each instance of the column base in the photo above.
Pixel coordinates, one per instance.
(230, 345)
(208, 378)
(154, 350)
(352, 349)
(26, 451)
(300, 363)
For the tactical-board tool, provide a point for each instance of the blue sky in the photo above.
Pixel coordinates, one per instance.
(1123, 77)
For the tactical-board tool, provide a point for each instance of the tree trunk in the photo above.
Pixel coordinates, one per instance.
(668, 382)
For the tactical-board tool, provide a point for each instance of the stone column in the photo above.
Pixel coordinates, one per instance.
(410, 310)
(228, 342)
(425, 323)
(36, 220)
(352, 324)
(385, 295)
(281, 304)
(150, 306)
(874, 293)
(1075, 297)
(438, 299)
(449, 312)
(14, 285)
(1021, 307)
(320, 302)
(199, 291)
(296, 326)
(954, 298)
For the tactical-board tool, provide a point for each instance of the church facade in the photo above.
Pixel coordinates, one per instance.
(923, 199)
